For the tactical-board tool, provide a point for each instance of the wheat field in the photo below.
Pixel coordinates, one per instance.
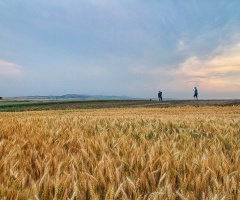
(125, 153)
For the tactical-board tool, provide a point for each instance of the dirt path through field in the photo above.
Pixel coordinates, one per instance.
(122, 104)
(186, 103)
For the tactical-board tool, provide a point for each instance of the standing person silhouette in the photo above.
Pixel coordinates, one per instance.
(159, 95)
(195, 91)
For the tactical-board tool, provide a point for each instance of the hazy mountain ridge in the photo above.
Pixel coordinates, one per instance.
(75, 96)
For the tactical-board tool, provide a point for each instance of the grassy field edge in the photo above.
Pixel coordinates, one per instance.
(18, 106)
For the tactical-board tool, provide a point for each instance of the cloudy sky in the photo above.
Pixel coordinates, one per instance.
(120, 47)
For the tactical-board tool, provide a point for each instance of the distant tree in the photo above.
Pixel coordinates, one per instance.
(0, 97)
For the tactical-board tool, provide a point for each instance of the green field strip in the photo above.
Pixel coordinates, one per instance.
(5, 104)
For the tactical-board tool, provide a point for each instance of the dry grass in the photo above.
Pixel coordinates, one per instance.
(141, 153)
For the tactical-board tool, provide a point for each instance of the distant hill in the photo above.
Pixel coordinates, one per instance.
(75, 97)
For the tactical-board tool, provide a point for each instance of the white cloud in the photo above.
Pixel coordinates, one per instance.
(182, 45)
(221, 72)
(8, 69)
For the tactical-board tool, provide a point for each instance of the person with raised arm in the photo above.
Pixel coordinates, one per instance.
(159, 95)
